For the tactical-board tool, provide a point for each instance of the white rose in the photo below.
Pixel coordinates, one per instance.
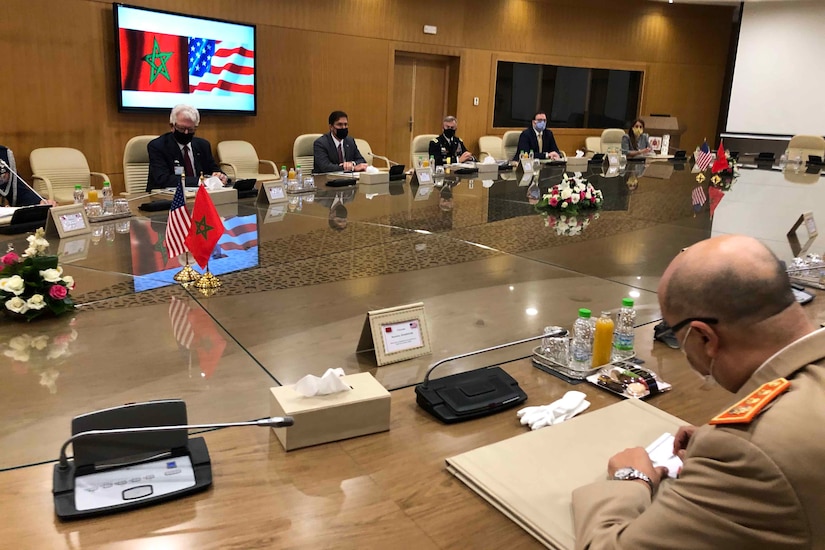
(588, 195)
(36, 302)
(21, 355)
(52, 275)
(573, 220)
(57, 351)
(575, 198)
(565, 194)
(14, 285)
(564, 205)
(21, 342)
(17, 305)
(69, 280)
(40, 342)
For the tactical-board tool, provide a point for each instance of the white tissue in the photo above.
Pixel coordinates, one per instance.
(579, 153)
(487, 183)
(329, 382)
(212, 183)
(556, 412)
(372, 170)
(489, 160)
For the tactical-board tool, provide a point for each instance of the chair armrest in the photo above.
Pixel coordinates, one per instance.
(270, 163)
(101, 175)
(232, 170)
(47, 184)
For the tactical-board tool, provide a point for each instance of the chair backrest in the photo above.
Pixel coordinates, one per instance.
(612, 138)
(492, 146)
(420, 147)
(365, 149)
(510, 142)
(136, 164)
(804, 146)
(242, 155)
(64, 167)
(593, 144)
(302, 152)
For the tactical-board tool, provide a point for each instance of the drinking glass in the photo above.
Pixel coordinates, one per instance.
(94, 209)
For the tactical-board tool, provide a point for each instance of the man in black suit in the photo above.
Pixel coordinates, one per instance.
(179, 152)
(538, 139)
(336, 151)
(449, 145)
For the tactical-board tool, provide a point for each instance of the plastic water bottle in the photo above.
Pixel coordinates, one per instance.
(623, 336)
(298, 174)
(284, 174)
(78, 194)
(581, 348)
(783, 160)
(108, 198)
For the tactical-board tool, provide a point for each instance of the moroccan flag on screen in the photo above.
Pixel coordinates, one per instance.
(154, 62)
(206, 228)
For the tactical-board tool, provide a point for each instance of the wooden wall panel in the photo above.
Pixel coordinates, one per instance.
(320, 55)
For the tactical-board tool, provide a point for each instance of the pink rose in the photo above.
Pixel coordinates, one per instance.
(593, 200)
(58, 292)
(10, 258)
(554, 201)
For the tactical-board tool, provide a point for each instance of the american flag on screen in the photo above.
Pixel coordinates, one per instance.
(178, 225)
(703, 157)
(220, 67)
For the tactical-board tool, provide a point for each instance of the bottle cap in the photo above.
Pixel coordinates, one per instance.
(584, 312)
(627, 302)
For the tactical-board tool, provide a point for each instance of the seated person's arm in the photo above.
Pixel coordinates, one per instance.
(322, 161)
(555, 152)
(358, 163)
(213, 169)
(466, 156)
(435, 153)
(162, 170)
(523, 145)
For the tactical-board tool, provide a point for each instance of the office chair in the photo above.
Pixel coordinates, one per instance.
(592, 145)
(420, 147)
(239, 160)
(136, 165)
(510, 143)
(366, 151)
(302, 152)
(56, 170)
(611, 138)
(491, 146)
(804, 146)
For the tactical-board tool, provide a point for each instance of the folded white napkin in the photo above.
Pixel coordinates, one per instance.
(329, 382)
(556, 412)
(212, 183)
(372, 170)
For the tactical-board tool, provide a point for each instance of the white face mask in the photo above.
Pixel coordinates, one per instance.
(708, 381)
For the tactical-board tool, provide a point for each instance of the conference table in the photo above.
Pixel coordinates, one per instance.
(298, 279)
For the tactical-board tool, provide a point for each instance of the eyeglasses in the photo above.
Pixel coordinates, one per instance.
(184, 130)
(709, 320)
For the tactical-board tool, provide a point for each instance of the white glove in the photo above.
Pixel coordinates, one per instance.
(556, 412)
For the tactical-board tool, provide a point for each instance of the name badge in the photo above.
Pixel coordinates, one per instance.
(178, 170)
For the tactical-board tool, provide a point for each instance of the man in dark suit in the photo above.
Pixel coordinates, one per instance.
(538, 139)
(336, 151)
(179, 152)
(449, 145)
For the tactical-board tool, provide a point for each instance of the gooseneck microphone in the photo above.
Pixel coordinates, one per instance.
(273, 422)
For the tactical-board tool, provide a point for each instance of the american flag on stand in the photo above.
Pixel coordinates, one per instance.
(703, 157)
(181, 326)
(177, 227)
(220, 66)
(698, 198)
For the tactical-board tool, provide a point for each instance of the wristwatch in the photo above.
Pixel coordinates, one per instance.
(627, 473)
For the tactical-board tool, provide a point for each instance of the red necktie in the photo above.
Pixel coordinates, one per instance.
(340, 154)
(187, 162)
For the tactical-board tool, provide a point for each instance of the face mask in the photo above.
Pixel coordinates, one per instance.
(541, 125)
(449, 133)
(637, 131)
(183, 139)
(341, 133)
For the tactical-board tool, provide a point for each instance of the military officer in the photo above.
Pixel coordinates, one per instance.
(448, 145)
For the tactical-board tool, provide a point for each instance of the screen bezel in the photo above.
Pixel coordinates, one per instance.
(129, 109)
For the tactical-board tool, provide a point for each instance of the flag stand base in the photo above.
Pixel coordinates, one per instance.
(207, 280)
(187, 275)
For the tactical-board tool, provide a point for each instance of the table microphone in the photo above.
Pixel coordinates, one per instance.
(13, 183)
(391, 162)
(273, 422)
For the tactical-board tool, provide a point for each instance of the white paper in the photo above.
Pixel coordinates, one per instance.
(661, 454)
(401, 336)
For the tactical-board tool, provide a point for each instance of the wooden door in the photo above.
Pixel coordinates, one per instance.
(420, 100)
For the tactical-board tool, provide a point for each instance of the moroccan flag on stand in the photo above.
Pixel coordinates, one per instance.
(206, 228)
(721, 162)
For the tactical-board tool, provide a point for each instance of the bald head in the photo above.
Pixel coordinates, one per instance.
(733, 278)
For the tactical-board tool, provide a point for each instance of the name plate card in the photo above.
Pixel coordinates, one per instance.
(395, 334)
(424, 175)
(806, 219)
(271, 192)
(67, 221)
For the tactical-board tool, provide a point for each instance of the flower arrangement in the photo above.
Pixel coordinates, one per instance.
(34, 284)
(570, 226)
(571, 195)
(41, 354)
(724, 179)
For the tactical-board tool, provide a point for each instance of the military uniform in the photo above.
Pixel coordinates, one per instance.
(441, 148)
(751, 478)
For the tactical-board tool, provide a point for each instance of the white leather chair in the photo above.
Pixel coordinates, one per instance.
(420, 148)
(56, 170)
(302, 152)
(592, 145)
(611, 138)
(803, 146)
(136, 165)
(510, 143)
(239, 160)
(366, 151)
(491, 146)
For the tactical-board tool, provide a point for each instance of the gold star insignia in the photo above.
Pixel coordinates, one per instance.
(700, 177)
(157, 60)
(202, 228)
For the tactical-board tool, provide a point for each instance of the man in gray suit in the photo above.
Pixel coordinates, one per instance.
(751, 476)
(336, 151)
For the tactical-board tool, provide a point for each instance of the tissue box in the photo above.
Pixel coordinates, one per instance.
(380, 177)
(363, 410)
(486, 168)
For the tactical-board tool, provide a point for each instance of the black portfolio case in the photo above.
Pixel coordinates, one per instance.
(469, 395)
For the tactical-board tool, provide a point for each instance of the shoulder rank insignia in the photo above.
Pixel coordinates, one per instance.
(747, 409)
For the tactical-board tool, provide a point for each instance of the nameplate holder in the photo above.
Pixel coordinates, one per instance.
(424, 175)
(395, 334)
(271, 192)
(806, 220)
(665, 144)
(67, 221)
(527, 165)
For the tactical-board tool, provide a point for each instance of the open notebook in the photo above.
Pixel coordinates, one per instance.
(530, 477)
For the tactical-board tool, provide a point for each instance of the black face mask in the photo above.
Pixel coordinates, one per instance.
(341, 133)
(183, 139)
(449, 133)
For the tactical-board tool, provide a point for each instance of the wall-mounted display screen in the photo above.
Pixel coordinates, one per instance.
(167, 58)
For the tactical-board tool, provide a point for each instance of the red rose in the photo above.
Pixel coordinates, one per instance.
(10, 258)
(58, 292)
(554, 201)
